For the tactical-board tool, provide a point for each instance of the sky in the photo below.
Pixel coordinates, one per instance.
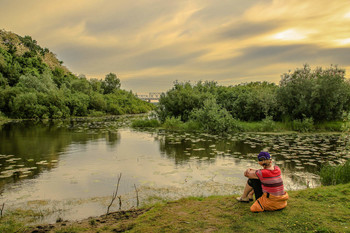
(150, 44)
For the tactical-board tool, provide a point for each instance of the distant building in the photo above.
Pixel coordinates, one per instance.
(142, 96)
(155, 95)
(151, 97)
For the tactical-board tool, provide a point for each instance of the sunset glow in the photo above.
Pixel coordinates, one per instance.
(150, 44)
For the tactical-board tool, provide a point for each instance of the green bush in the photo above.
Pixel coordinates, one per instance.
(332, 175)
(173, 123)
(305, 125)
(192, 126)
(249, 101)
(115, 109)
(183, 98)
(329, 126)
(346, 122)
(244, 126)
(268, 124)
(97, 102)
(320, 94)
(123, 102)
(94, 113)
(212, 117)
(43, 83)
(78, 104)
(3, 81)
(24, 105)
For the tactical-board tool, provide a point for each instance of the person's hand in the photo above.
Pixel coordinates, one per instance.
(247, 171)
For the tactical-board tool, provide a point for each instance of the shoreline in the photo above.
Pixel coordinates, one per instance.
(281, 129)
(314, 209)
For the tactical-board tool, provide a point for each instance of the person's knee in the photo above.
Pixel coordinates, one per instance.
(250, 182)
(256, 207)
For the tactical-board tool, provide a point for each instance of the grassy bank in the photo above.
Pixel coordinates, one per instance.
(3, 119)
(266, 125)
(323, 209)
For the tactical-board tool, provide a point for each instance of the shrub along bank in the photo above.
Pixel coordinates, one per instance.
(266, 125)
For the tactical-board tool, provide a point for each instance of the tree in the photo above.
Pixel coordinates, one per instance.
(182, 99)
(212, 117)
(96, 85)
(97, 102)
(43, 83)
(3, 81)
(249, 101)
(319, 94)
(110, 83)
(81, 85)
(58, 76)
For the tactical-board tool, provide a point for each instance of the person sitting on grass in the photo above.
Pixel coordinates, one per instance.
(267, 185)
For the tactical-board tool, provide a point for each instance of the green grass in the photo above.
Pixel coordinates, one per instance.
(266, 125)
(323, 209)
(11, 224)
(332, 175)
(299, 126)
(329, 126)
(70, 229)
(261, 126)
(17, 220)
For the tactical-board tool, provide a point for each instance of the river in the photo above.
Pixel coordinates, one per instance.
(69, 169)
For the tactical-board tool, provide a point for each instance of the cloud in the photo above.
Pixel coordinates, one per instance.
(304, 53)
(244, 30)
(128, 17)
(151, 43)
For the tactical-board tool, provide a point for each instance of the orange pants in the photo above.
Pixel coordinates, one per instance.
(270, 203)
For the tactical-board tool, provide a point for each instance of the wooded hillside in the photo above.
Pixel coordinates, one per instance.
(35, 84)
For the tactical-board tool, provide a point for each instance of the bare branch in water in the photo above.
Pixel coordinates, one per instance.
(114, 194)
(2, 209)
(120, 202)
(137, 196)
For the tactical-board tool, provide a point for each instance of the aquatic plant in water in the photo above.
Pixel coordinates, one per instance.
(340, 174)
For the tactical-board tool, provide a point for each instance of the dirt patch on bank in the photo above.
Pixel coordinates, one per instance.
(119, 221)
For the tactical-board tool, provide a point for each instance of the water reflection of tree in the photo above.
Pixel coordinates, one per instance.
(299, 155)
(113, 138)
(203, 148)
(174, 150)
(34, 141)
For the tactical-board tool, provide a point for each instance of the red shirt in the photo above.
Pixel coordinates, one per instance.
(271, 181)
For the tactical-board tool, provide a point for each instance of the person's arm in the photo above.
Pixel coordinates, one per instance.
(250, 173)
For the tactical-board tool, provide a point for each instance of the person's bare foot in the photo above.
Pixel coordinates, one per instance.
(251, 198)
(241, 199)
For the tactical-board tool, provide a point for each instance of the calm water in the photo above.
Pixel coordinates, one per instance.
(69, 169)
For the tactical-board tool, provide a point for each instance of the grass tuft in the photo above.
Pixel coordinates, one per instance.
(332, 175)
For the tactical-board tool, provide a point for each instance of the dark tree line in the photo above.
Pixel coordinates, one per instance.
(319, 94)
(29, 88)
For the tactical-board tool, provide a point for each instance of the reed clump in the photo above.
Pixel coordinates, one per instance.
(332, 175)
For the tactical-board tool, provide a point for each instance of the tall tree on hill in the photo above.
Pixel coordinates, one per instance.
(110, 83)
